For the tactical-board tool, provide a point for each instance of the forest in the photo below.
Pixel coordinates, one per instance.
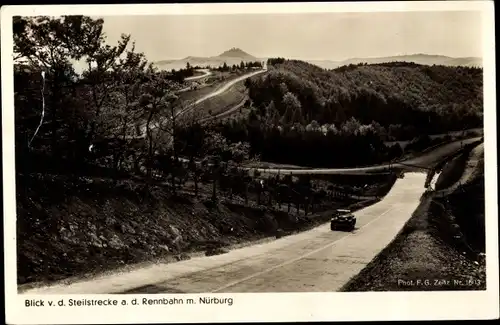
(406, 98)
(303, 114)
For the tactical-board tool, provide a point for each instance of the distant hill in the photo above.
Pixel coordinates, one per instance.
(237, 53)
(424, 59)
(230, 57)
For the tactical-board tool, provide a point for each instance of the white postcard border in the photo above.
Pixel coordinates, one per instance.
(272, 307)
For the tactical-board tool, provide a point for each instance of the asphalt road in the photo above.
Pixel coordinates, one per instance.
(206, 73)
(422, 161)
(228, 85)
(315, 260)
(217, 92)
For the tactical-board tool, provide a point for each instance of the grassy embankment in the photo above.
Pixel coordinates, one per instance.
(217, 104)
(442, 241)
(223, 102)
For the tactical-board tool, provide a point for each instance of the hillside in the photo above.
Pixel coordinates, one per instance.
(423, 98)
(301, 114)
(424, 59)
(230, 57)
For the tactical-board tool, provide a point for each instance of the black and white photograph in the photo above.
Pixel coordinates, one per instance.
(180, 156)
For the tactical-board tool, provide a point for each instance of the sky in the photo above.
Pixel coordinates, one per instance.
(322, 36)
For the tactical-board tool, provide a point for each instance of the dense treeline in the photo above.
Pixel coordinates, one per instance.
(305, 115)
(181, 74)
(352, 145)
(242, 66)
(189, 71)
(408, 98)
(220, 147)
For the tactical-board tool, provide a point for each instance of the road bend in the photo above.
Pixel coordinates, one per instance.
(314, 260)
(206, 73)
(215, 93)
(420, 163)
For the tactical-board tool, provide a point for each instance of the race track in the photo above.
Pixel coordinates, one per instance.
(206, 73)
(315, 260)
(423, 161)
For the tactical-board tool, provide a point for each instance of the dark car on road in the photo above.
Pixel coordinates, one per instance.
(343, 220)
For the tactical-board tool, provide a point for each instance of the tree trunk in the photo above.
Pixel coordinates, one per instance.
(120, 156)
(115, 167)
(174, 148)
(214, 184)
(150, 159)
(214, 190)
(56, 95)
(76, 148)
(150, 145)
(174, 187)
(196, 185)
(136, 164)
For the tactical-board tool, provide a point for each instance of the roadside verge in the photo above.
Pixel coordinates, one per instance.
(431, 244)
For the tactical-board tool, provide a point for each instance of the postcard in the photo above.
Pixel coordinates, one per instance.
(265, 162)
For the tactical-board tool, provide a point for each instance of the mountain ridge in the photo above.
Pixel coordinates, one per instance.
(419, 58)
(236, 55)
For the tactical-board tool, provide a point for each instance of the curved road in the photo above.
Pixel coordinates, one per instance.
(217, 92)
(315, 260)
(424, 161)
(206, 73)
(229, 85)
